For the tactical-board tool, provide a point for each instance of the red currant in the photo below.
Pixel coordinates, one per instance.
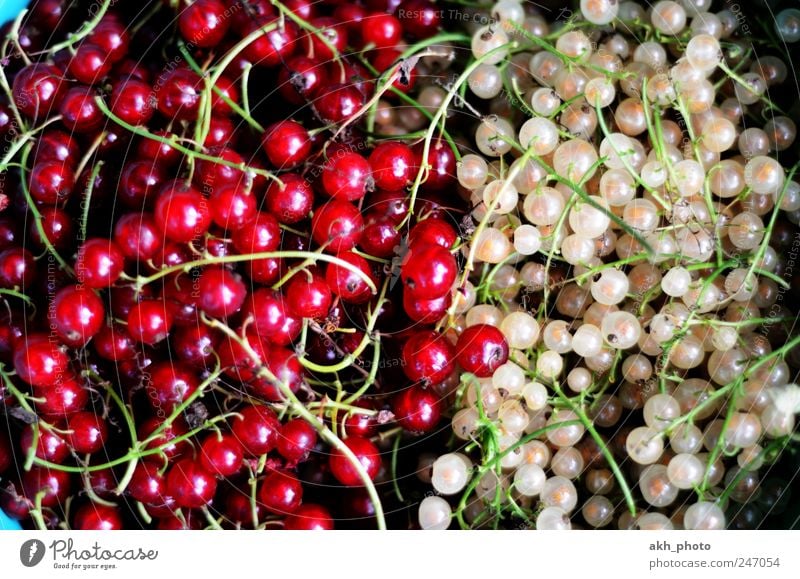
(190, 484)
(287, 144)
(308, 295)
(97, 517)
(221, 291)
(392, 165)
(366, 454)
(40, 361)
(149, 321)
(99, 263)
(428, 272)
(337, 225)
(257, 428)
(87, 432)
(204, 23)
(297, 440)
(347, 176)
(346, 283)
(428, 357)
(78, 314)
(280, 493)
(169, 384)
(292, 201)
(309, 517)
(182, 213)
(481, 349)
(417, 409)
(221, 454)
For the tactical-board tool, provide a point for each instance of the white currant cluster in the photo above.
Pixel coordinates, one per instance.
(622, 247)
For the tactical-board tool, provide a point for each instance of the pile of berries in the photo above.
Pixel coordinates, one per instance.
(626, 276)
(280, 264)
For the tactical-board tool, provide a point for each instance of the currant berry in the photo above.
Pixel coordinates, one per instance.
(221, 454)
(367, 455)
(428, 357)
(51, 182)
(169, 384)
(309, 517)
(204, 23)
(428, 272)
(292, 201)
(221, 291)
(280, 493)
(149, 321)
(308, 295)
(481, 349)
(258, 429)
(287, 144)
(417, 409)
(87, 432)
(77, 315)
(338, 102)
(41, 362)
(97, 517)
(181, 213)
(347, 176)
(131, 100)
(190, 484)
(337, 225)
(346, 283)
(392, 165)
(99, 263)
(297, 440)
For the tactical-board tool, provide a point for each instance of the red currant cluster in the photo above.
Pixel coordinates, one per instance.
(200, 284)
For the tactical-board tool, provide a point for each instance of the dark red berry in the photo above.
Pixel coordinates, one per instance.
(62, 401)
(481, 349)
(380, 237)
(40, 361)
(149, 321)
(297, 439)
(79, 111)
(221, 454)
(132, 101)
(380, 30)
(196, 345)
(428, 272)
(88, 432)
(232, 206)
(147, 485)
(99, 263)
(179, 97)
(204, 23)
(111, 35)
(337, 225)
(257, 428)
(77, 315)
(57, 226)
(280, 493)
(417, 409)
(287, 144)
(182, 213)
(190, 484)
(221, 292)
(428, 357)
(366, 454)
(37, 90)
(338, 102)
(271, 319)
(97, 517)
(392, 165)
(50, 446)
(89, 64)
(347, 176)
(309, 517)
(17, 268)
(168, 384)
(308, 295)
(347, 283)
(432, 231)
(138, 184)
(292, 201)
(334, 33)
(51, 182)
(114, 343)
(137, 236)
(426, 311)
(301, 78)
(53, 486)
(164, 439)
(274, 46)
